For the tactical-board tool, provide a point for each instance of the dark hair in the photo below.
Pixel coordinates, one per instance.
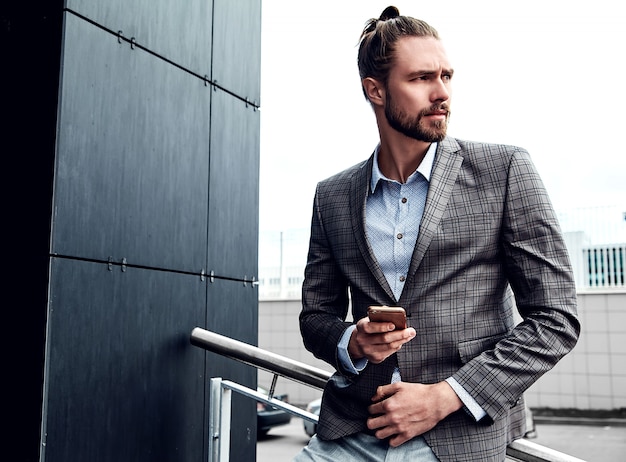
(378, 40)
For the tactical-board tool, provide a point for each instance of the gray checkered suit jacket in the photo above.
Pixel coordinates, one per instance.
(488, 232)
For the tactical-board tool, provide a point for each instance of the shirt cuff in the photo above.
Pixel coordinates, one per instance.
(470, 403)
(344, 357)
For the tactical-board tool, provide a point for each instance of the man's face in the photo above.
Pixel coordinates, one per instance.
(417, 94)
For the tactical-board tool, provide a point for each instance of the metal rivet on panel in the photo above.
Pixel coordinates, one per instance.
(123, 265)
(132, 43)
(120, 34)
(212, 278)
(202, 275)
(110, 265)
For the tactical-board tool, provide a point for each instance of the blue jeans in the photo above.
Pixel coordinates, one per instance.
(364, 447)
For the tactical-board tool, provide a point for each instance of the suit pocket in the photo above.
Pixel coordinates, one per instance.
(469, 349)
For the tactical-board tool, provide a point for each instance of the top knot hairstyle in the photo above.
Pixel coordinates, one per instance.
(378, 40)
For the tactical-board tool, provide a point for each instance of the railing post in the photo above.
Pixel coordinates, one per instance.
(219, 421)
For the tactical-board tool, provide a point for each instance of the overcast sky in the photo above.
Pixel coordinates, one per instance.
(544, 75)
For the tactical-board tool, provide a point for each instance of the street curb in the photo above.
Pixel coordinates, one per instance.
(596, 422)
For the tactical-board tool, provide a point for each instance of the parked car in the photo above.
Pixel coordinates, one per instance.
(268, 416)
(313, 407)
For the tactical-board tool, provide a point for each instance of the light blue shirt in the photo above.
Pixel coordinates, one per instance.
(393, 214)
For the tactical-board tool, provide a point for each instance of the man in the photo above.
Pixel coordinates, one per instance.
(457, 233)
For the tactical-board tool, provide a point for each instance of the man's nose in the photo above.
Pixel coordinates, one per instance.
(441, 91)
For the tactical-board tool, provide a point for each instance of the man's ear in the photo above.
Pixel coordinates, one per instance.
(374, 90)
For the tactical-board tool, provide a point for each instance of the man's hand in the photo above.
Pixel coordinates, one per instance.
(405, 410)
(376, 341)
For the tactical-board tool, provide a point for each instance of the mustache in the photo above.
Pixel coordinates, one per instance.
(437, 108)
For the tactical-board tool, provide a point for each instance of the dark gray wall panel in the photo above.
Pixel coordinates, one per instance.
(132, 155)
(232, 311)
(237, 47)
(178, 31)
(129, 153)
(123, 382)
(234, 188)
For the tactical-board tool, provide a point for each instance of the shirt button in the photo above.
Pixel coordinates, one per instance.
(399, 236)
(404, 199)
(402, 278)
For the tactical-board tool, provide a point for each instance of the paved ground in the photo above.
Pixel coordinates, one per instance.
(592, 443)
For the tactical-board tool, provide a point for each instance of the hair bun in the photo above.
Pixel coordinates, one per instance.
(389, 13)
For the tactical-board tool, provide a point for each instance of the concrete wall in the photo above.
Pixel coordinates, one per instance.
(593, 375)
(279, 333)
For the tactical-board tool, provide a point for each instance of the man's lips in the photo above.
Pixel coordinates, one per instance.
(437, 114)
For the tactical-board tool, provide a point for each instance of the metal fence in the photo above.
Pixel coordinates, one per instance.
(603, 266)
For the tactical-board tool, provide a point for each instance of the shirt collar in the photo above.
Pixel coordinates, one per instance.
(424, 167)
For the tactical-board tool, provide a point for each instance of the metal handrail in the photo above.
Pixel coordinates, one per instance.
(519, 450)
(262, 359)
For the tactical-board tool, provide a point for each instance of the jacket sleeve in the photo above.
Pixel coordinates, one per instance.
(537, 267)
(324, 293)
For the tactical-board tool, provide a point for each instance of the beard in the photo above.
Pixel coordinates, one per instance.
(417, 127)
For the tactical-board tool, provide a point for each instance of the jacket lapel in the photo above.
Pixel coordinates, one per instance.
(358, 194)
(442, 179)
